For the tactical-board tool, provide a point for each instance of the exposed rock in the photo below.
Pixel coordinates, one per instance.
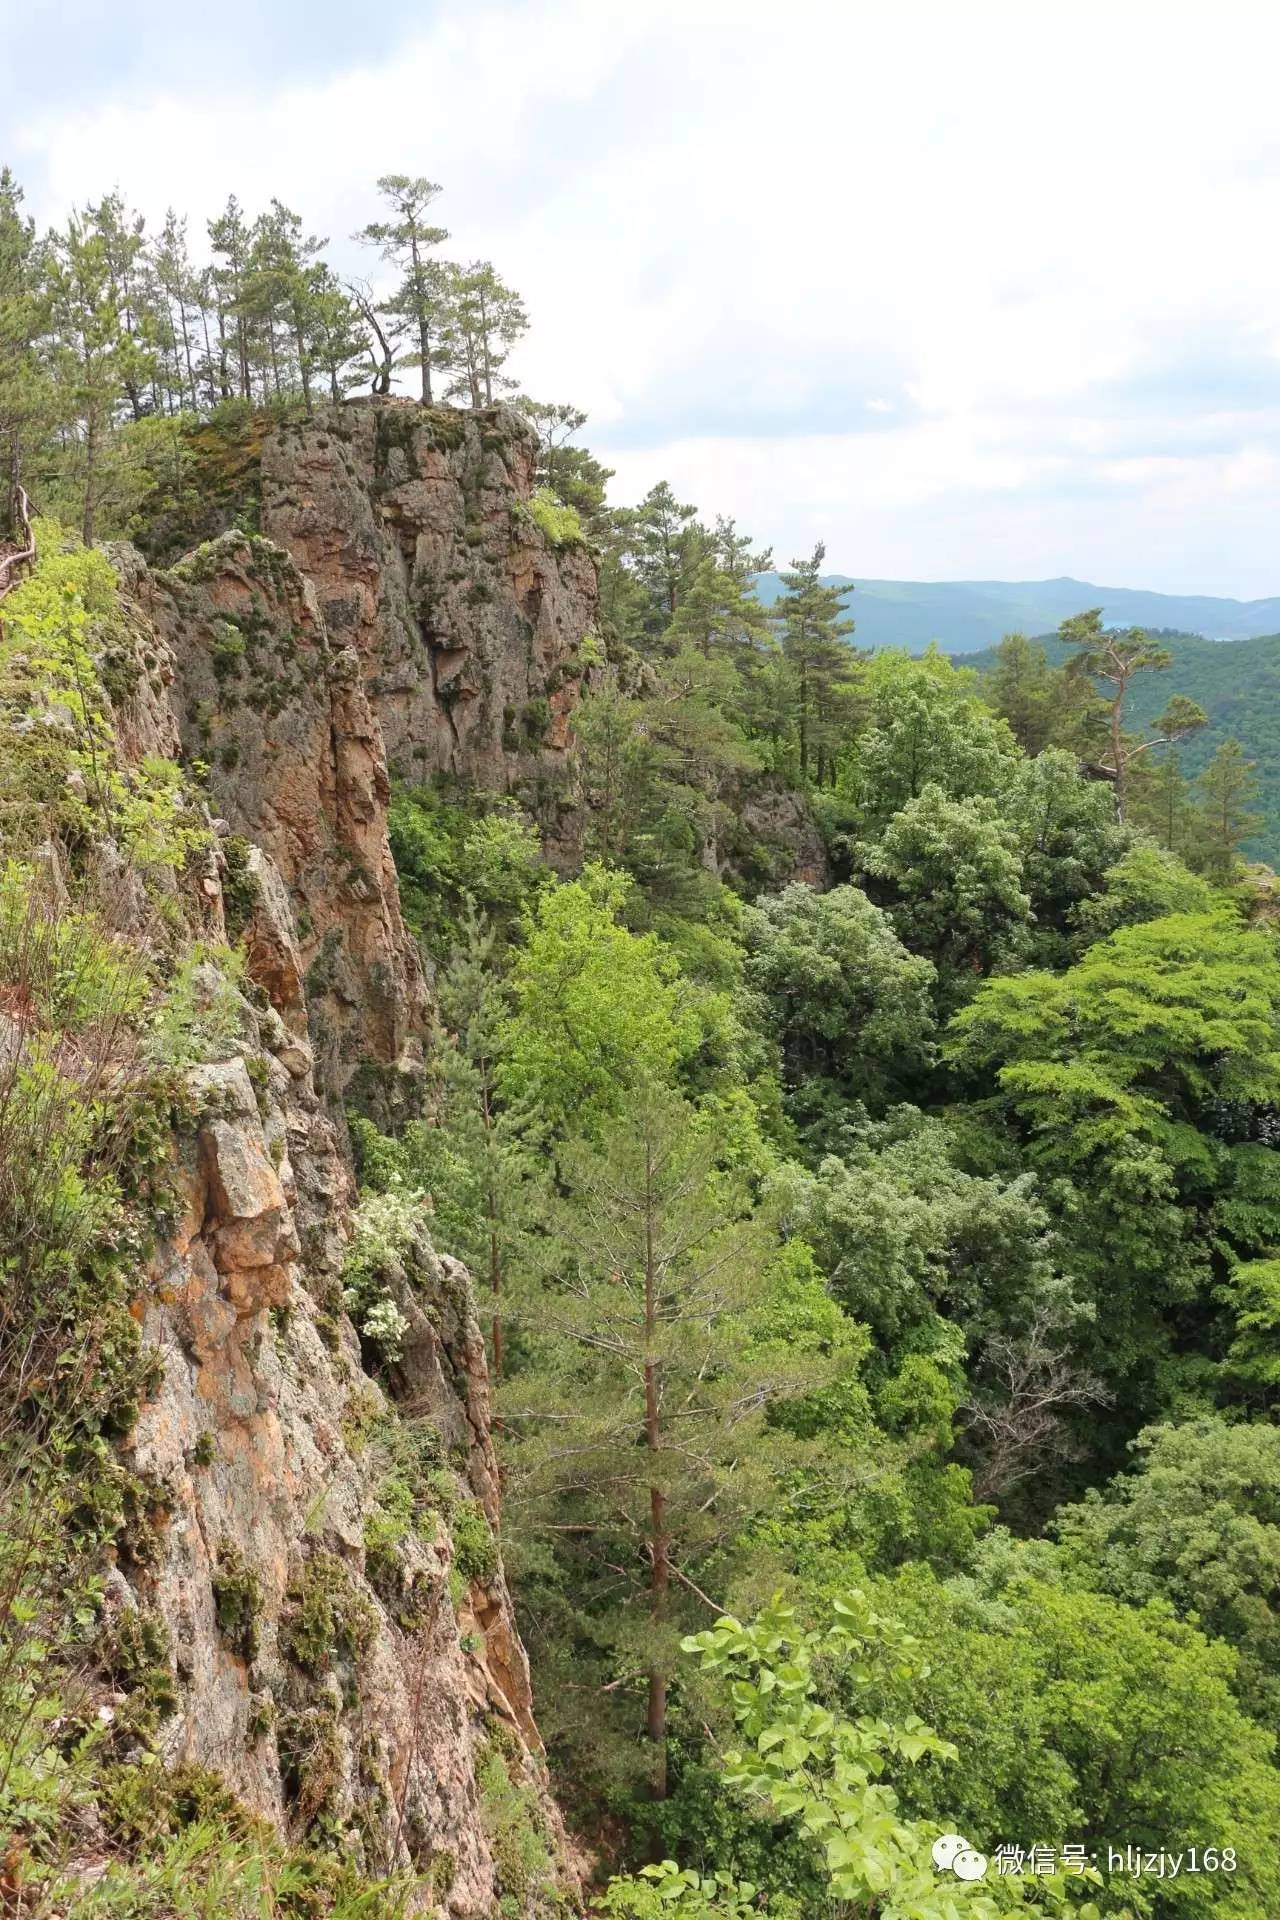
(775, 840)
(296, 765)
(347, 1688)
(413, 525)
(334, 1696)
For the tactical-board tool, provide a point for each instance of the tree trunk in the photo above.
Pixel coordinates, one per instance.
(303, 369)
(659, 1538)
(495, 1288)
(484, 346)
(1117, 750)
(12, 523)
(90, 478)
(186, 350)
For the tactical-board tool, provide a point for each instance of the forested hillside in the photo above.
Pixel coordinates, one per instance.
(1238, 685)
(641, 1248)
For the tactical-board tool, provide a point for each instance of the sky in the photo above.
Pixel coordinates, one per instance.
(966, 289)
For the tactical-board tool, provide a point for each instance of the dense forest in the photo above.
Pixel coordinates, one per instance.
(1237, 683)
(853, 1090)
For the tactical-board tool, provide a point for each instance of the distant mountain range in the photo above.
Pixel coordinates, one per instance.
(964, 616)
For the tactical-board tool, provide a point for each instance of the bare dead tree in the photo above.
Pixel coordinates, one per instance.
(1017, 1421)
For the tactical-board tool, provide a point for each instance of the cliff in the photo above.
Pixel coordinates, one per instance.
(278, 712)
(330, 1579)
(416, 527)
(313, 1566)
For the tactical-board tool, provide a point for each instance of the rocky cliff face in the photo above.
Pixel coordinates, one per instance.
(414, 525)
(277, 710)
(321, 1573)
(326, 1574)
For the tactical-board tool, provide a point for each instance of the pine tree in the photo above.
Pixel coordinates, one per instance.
(814, 630)
(1114, 658)
(488, 1185)
(639, 1439)
(381, 334)
(95, 358)
(483, 319)
(1227, 786)
(27, 399)
(1161, 802)
(666, 543)
(180, 291)
(230, 239)
(122, 236)
(1024, 688)
(719, 614)
(736, 553)
(417, 304)
(575, 476)
(336, 335)
(654, 770)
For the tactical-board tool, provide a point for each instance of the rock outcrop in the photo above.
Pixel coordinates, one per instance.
(320, 1569)
(338, 1661)
(415, 527)
(277, 711)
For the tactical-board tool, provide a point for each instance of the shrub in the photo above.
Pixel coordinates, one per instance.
(325, 1615)
(386, 1225)
(237, 1600)
(60, 771)
(559, 525)
(475, 1551)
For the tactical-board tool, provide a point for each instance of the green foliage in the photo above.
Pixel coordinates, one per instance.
(1120, 1078)
(819, 663)
(82, 1139)
(925, 727)
(387, 1225)
(63, 772)
(1196, 1523)
(1228, 786)
(850, 1009)
(516, 1831)
(1026, 692)
(560, 525)
(904, 1235)
(1148, 883)
(326, 1616)
(1069, 843)
(951, 875)
(656, 770)
(237, 1601)
(718, 1371)
(449, 853)
(1237, 686)
(598, 1010)
(475, 1552)
(1080, 1715)
(185, 1849)
(641, 1411)
(201, 1012)
(801, 1763)
(201, 474)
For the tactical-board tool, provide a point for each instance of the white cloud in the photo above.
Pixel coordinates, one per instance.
(1008, 215)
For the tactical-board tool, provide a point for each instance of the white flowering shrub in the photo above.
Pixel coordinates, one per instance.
(385, 1227)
